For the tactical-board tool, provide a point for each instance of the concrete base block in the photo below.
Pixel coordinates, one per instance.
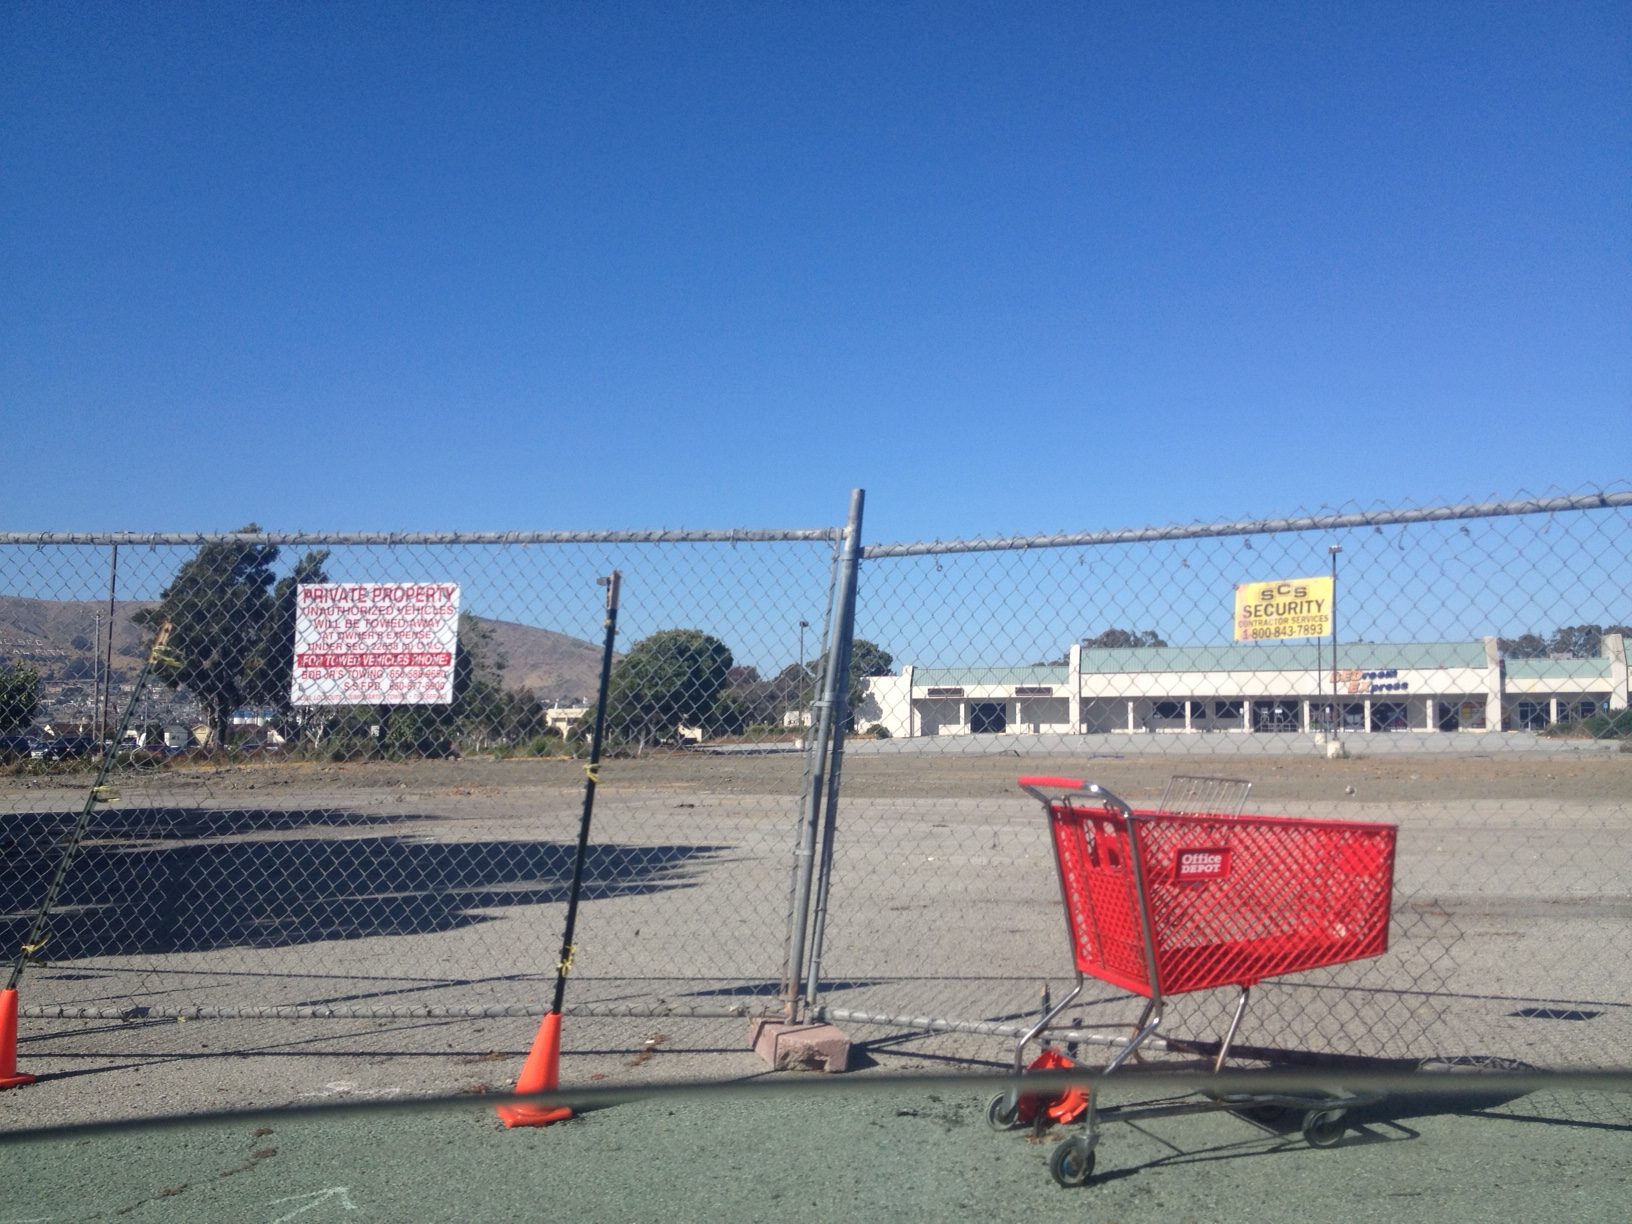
(800, 1047)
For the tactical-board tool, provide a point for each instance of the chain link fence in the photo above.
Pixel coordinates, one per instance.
(276, 836)
(809, 801)
(1474, 693)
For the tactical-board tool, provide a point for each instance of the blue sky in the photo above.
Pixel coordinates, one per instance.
(1008, 267)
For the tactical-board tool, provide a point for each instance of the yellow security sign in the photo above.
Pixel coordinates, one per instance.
(1295, 608)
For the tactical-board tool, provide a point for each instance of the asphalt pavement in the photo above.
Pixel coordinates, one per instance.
(813, 1148)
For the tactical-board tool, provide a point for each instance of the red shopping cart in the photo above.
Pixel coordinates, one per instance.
(1168, 902)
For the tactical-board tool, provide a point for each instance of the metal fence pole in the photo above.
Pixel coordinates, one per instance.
(815, 761)
(836, 669)
(824, 875)
(104, 703)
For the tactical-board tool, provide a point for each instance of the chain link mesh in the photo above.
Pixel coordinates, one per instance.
(251, 857)
(254, 857)
(1475, 697)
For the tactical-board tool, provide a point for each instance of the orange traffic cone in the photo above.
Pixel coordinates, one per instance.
(9, 1077)
(540, 1073)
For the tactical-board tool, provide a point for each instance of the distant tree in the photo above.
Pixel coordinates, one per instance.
(753, 701)
(480, 708)
(729, 716)
(523, 717)
(670, 678)
(270, 667)
(1583, 641)
(19, 697)
(218, 606)
(790, 689)
(1525, 646)
(1112, 639)
(866, 659)
(1122, 639)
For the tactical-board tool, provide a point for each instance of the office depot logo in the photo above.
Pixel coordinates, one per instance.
(1201, 864)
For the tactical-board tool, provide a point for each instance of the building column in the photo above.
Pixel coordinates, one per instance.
(1073, 693)
(1614, 649)
(1493, 685)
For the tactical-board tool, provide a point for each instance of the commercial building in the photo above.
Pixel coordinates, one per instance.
(1257, 687)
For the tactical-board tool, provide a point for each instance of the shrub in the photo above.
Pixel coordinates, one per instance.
(1606, 724)
(1609, 724)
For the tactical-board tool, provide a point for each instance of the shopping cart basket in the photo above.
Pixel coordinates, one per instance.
(1163, 903)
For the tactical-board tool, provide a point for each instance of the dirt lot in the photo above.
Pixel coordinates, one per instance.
(1279, 770)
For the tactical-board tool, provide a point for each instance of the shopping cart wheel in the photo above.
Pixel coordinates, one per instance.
(1003, 1111)
(1072, 1162)
(1323, 1128)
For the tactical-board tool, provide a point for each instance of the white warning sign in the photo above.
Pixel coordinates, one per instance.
(375, 643)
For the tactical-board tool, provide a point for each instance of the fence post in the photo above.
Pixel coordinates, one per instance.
(810, 787)
(846, 625)
(835, 675)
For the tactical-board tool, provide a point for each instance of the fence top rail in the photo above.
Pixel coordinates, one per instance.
(393, 538)
(1198, 531)
(1602, 500)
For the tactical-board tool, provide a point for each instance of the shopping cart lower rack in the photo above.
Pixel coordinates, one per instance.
(1167, 902)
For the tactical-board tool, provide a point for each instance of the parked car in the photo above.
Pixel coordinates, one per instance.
(63, 749)
(15, 748)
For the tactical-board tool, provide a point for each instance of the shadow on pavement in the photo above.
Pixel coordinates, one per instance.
(165, 881)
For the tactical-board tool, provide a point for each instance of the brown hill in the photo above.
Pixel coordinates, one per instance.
(550, 665)
(54, 633)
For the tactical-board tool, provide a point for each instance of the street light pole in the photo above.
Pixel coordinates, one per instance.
(803, 625)
(96, 676)
(1337, 712)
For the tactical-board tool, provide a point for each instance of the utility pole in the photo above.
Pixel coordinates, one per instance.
(106, 707)
(803, 704)
(96, 676)
(1337, 711)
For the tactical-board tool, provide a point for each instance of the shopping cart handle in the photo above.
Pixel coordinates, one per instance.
(1036, 786)
(1056, 784)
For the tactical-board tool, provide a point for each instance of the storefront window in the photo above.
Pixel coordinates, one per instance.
(1275, 715)
(1532, 715)
(1389, 716)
